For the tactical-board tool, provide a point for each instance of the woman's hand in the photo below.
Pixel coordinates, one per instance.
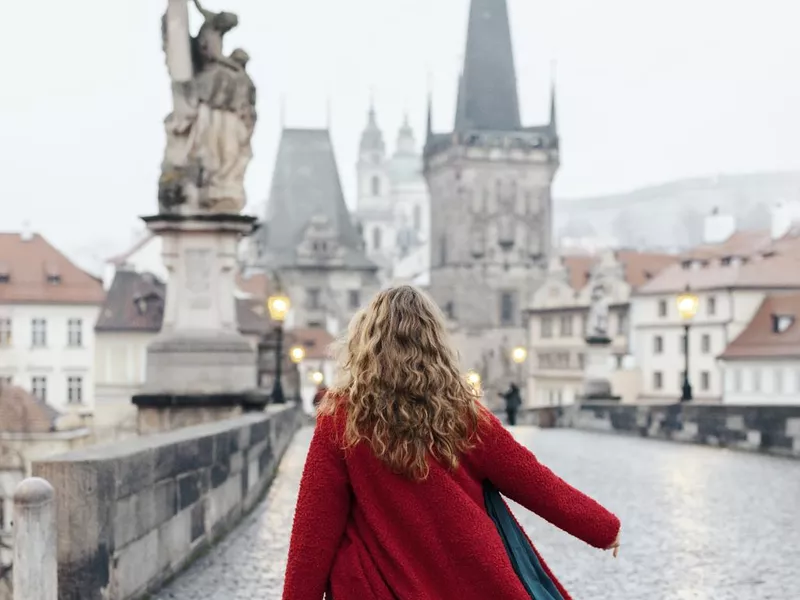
(615, 546)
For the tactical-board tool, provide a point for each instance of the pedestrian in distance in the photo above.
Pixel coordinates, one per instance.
(513, 401)
(402, 495)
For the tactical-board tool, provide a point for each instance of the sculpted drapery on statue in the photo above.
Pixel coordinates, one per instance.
(213, 117)
(597, 324)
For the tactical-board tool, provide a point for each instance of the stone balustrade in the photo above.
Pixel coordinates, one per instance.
(131, 515)
(770, 429)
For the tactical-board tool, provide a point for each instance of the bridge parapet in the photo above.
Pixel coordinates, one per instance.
(770, 429)
(131, 515)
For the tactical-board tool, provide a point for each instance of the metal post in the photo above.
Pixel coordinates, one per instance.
(277, 389)
(35, 575)
(686, 394)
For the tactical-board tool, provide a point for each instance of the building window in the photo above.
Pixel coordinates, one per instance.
(376, 185)
(6, 380)
(313, 298)
(705, 381)
(547, 327)
(39, 387)
(75, 333)
(581, 360)
(74, 390)
(756, 380)
(705, 343)
(711, 306)
(5, 332)
(355, 299)
(737, 380)
(38, 333)
(566, 326)
(507, 308)
(562, 360)
(622, 323)
(417, 217)
(658, 380)
(662, 308)
(376, 238)
(658, 345)
(778, 380)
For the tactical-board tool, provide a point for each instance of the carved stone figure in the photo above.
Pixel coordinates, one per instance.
(597, 324)
(213, 118)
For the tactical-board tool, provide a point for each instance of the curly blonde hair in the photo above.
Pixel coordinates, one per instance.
(400, 387)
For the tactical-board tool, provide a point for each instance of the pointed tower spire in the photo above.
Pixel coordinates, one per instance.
(487, 94)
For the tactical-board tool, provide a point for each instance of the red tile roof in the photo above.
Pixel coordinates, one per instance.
(315, 340)
(760, 338)
(749, 260)
(38, 273)
(21, 412)
(640, 267)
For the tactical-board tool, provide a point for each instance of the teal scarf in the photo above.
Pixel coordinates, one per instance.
(524, 560)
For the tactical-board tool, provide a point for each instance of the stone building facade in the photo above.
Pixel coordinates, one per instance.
(309, 237)
(393, 205)
(491, 210)
(557, 322)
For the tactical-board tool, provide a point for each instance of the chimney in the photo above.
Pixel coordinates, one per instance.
(784, 216)
(718, 227)
(27, 234)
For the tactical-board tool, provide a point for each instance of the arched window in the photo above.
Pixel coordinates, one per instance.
(376, 185)
(376, 238)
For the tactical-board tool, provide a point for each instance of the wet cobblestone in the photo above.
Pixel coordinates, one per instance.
(698, 524)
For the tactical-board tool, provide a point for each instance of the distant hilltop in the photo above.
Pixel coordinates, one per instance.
(670, 215)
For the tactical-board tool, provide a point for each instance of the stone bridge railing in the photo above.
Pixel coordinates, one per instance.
(128, 516)
(770, 429)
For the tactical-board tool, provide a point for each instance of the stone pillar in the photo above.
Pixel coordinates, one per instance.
(199, 368)
(35, 573)
(597, 370)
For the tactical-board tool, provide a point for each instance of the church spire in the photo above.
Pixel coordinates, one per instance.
(487, 94)
(372, 138)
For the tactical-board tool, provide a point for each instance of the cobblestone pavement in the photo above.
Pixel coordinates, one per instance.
(698, 524)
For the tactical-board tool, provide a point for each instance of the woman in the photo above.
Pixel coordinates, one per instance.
(391, 502)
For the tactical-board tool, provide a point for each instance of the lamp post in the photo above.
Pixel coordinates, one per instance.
(519, 355)
(474, 380)
(297, 355)
(278, 305)
(687, 308)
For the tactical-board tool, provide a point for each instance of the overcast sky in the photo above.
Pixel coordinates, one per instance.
(647, 92)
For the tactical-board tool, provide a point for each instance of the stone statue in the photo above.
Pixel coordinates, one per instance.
(214, 114)
(597, 325)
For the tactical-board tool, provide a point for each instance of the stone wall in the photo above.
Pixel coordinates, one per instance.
(132, 514)
(770, 429)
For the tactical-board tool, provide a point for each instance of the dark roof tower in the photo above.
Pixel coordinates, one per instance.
(487, 92)
(306, 188)
(372, 138)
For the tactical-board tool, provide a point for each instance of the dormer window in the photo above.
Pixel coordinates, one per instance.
(726, 261)
(781, 323)
(686, 264)
(53, 275)
(141, 305)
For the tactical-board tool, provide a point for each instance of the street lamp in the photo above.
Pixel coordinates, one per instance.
(687, 308)
(278, 305)
(317, 377)
(474, 380)
(519, 355)
(297, 354)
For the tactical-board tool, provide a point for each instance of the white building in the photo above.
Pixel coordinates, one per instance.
(731, 275)
(762, 365)
(557, 322)
(393, 206)
(48, 308)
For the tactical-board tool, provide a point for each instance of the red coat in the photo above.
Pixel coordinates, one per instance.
(362, 532)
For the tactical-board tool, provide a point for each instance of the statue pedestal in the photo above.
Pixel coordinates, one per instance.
(199, 368)
(597, 370)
